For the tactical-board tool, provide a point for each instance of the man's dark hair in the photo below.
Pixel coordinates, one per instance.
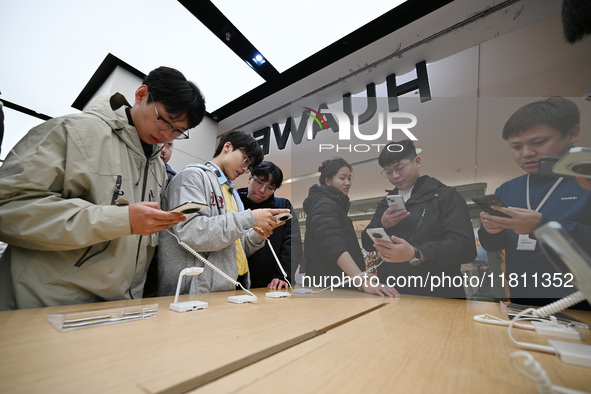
(330, 168)
(557, 112)
(244, 141)
(576, 17)
(267, 170)
(396, 151)
(179, 96)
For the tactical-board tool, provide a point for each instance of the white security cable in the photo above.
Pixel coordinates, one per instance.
(210, 265)
(531, 346)
(538, 374)
(545, 311)
(560, 305)
(497, 321)
(280, 266)
(541, 313)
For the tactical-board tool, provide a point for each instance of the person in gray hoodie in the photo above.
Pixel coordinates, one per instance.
(223, 232)
(79, 196)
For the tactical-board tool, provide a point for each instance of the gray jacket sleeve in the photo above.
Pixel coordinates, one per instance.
(212, 229)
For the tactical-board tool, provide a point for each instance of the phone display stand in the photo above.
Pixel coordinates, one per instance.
(277, 294)
(572, 353)
(302, 290)
(187, 305)
(242, 299)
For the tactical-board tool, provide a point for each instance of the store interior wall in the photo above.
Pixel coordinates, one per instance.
(474, 92)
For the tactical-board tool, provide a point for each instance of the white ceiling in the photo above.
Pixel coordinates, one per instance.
(290, 32)
(50, 49)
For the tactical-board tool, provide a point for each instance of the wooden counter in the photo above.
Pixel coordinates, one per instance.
(343, 341)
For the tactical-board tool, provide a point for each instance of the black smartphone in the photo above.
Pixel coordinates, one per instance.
(485, 202)
(545, 165)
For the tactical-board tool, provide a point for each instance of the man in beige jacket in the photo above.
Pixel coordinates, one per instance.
(79, 196)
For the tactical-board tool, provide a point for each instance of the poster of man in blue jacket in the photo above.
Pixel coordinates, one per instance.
(548, 127)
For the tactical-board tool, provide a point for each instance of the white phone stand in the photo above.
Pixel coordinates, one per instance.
(242, 299)
(302, 290)
(277, 294)
(187, 305)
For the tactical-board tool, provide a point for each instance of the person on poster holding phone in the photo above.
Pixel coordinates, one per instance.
(331, 244)
(547, 127)
(432, 235)
(80, 194)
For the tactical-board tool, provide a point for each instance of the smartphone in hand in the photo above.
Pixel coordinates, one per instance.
(378, 233)
(395, 199)
(282, 217)
(485, 202)
(188, 208)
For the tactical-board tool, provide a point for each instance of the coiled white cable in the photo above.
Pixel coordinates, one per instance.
(497, 321)
(210, 265)
(541, 313)
(560, 305)
(547, 310)
(531, 346)
(538, 374)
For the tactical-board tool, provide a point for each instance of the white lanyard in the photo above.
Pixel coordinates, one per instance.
(545, 197)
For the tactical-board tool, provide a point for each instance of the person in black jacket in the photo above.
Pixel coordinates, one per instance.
(165, 155)
(433, 235)
(263, 181)
(331, 246)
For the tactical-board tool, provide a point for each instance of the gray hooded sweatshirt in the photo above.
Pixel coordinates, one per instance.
(211, 232)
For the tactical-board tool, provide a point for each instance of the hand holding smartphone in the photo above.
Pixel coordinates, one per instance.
(485, 202)
(395, 199)
(188, 208)
(378, 233)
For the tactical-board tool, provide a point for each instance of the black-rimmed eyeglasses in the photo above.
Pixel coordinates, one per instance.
(165, 125)
(400, 169)
(260, 185)
(247, 162)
